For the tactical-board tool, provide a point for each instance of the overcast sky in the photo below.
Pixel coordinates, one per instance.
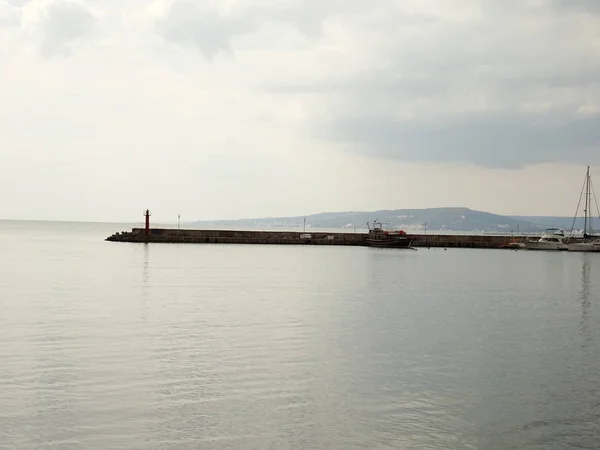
(251, 108)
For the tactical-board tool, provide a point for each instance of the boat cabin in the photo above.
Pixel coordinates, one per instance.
(378, 231)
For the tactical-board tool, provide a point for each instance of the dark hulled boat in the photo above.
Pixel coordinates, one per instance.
(378, 237)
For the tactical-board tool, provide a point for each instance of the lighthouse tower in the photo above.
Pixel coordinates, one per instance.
(147, 216)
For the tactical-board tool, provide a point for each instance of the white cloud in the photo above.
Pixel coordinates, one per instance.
(10, 15)
(57, 24)
(206, 25)
(589, 110)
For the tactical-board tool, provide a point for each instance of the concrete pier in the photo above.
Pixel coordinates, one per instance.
(168, 235)
(468, 241)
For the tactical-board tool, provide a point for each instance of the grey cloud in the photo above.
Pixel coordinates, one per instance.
(308, 16)
(492, 140)
(509, 54)
(198, 25)
(510, 57)
(63, 22)
(588, 6)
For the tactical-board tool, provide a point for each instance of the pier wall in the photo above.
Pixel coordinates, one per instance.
(467, 241)
(169, 235)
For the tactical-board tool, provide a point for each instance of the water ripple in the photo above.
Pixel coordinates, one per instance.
(226, 347)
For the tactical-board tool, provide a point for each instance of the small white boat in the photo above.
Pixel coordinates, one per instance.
(552, 239)
(587, 246)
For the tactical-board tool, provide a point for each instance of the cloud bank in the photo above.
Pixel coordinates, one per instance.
(200, 93)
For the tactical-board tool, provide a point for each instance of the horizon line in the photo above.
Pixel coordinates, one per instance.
(187, 222)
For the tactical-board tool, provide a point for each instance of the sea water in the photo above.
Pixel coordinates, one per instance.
(162, 346)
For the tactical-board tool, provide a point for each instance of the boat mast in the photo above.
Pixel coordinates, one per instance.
(587, 202)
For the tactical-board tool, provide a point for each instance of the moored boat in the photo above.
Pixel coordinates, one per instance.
(514, 245)
(585, 246)
(589, 242)
(378, 237)
(553, 239)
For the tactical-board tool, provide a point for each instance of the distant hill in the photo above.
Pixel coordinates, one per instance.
(560, 222)
(450, 219)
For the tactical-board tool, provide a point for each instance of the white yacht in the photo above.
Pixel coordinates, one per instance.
(585, 246)
(552, 239)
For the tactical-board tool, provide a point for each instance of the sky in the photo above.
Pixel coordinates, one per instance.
(224, 109)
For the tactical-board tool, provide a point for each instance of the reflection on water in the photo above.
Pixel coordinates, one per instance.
(145, 271)
(586, 295)
(108, 345)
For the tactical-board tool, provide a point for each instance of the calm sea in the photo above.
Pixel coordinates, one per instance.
(132, 346)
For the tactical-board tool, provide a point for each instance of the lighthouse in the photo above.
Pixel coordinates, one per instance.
(147, 216)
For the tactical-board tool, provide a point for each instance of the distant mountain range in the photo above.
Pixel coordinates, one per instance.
(554, 221)
(447, 219)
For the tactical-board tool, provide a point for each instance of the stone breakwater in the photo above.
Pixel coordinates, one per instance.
(174, 236)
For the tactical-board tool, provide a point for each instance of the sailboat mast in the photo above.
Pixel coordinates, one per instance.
(587, 202)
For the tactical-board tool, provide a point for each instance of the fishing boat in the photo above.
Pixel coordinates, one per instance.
(378, 237)
(589, 242)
